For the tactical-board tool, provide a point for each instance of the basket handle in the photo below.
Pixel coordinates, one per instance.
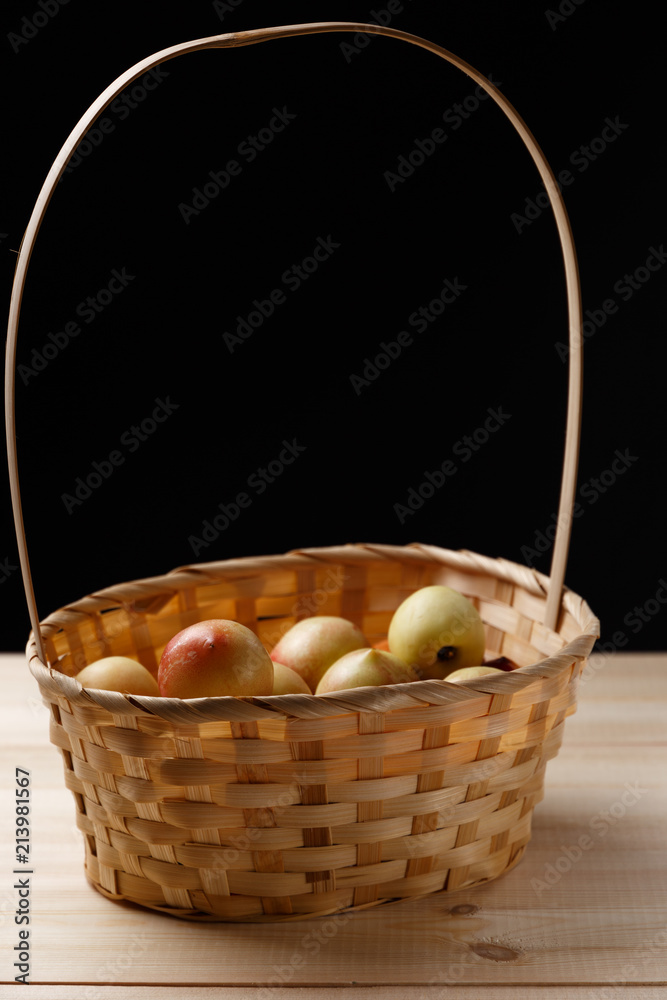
(235, 40)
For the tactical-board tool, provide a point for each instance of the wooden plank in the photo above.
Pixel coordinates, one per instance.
(590, 991)
(574, 917)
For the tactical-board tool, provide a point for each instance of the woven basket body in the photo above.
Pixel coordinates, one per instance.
(280, 808)
(297, 805)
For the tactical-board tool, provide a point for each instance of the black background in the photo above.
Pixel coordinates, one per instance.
(359, 104)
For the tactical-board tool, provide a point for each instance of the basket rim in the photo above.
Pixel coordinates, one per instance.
(255, 708)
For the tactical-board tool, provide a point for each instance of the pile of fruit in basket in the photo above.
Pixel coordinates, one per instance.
(435, 634)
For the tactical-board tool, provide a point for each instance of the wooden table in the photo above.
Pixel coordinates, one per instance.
(584, 914)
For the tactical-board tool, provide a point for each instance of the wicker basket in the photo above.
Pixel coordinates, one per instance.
(280, 808)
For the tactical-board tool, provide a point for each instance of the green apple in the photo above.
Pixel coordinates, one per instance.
(437, 630)
(365, 668)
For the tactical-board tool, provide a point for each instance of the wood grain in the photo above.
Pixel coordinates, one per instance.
(584, 992)
(576, 921)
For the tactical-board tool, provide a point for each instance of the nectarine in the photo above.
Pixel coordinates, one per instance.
(215, 658)
(118, 673)
(313, 644)
(467, 673)
(286, 681)
(365, 668)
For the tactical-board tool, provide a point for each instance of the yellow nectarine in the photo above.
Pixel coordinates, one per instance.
(215, 658)
(118, 673)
